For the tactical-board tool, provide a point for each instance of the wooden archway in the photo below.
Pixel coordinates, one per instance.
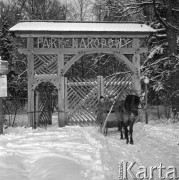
(46, 43)
(118, 56)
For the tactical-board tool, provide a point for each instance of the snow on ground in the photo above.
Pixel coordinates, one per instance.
(82, 153)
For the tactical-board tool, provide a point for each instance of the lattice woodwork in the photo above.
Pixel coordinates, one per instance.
(44, 111)
(82, 100)
(45, 64)
(44, 106)
(114, 85)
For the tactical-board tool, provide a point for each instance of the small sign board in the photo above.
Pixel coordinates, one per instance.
(3, 67)
(3, 86)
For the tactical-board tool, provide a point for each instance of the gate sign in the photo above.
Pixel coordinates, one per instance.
(3, 86)
(3, 67)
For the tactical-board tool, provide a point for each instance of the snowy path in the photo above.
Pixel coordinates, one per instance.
(81, 153)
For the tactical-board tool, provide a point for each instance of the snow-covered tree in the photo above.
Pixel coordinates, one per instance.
(161, 64)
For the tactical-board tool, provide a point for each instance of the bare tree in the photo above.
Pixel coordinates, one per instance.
(42, 9)
(118, 10)
(79, 10)
(99, 10)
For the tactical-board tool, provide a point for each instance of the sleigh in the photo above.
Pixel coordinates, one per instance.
(111, 121)
(111, 124)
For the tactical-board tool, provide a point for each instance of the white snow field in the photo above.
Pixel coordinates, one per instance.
(82, 153)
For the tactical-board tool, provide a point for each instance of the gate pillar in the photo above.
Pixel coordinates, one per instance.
(61, 91)
(61, 103)
(136, 84)
(37, 108)
(66, 100)
(31, 108)
(30, 71)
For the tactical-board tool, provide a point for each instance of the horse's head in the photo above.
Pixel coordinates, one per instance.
(131, 104)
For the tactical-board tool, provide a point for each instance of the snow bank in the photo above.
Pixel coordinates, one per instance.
(82, 153)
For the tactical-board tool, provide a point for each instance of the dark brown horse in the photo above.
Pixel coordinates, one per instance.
(126, 112)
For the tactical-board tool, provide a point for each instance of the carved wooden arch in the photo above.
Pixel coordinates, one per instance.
(118, 56)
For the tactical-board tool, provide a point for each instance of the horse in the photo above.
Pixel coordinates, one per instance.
(126, 115)
(126, 112)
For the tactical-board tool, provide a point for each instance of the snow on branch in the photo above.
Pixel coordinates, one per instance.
(156, 49)
(161, 35)
(161, 29)
(177, 10)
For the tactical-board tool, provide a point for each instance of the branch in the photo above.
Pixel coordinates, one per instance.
(177, 10)
(156, 62)
(144, 3)
(130, 13)
(174, 27)
(163, 73)
(160, 75)
(21, 74)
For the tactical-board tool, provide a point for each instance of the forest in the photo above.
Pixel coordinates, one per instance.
(160, 64)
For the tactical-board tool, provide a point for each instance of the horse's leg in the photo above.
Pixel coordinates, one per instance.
(120, 118)
(120, 127)
(126, 133)
(131, 132)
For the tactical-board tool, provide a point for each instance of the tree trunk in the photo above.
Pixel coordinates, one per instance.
(1, 117)
(172, 48)
(171, 34)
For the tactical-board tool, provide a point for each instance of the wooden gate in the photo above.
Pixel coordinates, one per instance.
(43, 106)
(82, 99)
(83, 94)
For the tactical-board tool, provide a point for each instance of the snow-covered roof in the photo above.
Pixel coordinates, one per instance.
(58, 26)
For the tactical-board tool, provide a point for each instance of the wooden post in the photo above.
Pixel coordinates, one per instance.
(100, 86)
(136, 61)
(1, 117)
(30, 70)
(61, 91)
(37, 108)
(66, 100)
(33, 109)
(146, 112)
(50, 108)
(146, 81)
(61, 103)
